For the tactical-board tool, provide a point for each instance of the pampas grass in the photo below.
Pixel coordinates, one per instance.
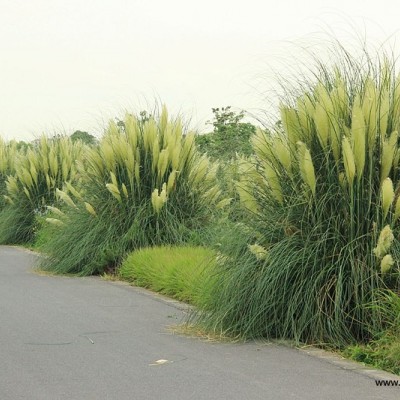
(319, 216)
(145, 185)
(33, 178)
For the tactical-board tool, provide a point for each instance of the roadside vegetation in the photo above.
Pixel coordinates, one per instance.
(290, 231)
(34, 174)
(144, 185)
(320, 195)
(383, 350)
(179, 272)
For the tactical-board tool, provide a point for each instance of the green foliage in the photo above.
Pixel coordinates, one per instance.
(21, 145)
(229, 137)
(320, 197)
(144, 185)
(84, 137)
(384, 350)
(178, 272)
(43, 231)
(17, 224)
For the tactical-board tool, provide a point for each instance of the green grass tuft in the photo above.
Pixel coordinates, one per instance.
(384, 350)
(179, 272)
(17, 224)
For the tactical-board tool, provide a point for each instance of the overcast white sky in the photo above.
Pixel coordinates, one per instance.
(72, 64)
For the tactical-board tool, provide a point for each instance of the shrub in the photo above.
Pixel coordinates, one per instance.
(31, 187)
(145, 185)
(322, 195)
(175, 271)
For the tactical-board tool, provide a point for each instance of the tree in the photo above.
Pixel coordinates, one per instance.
(84, 137)
(230, 136)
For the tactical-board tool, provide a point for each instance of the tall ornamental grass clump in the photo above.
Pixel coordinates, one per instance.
(8, 151)
(322, 194)
(145, 185)
(35, 175)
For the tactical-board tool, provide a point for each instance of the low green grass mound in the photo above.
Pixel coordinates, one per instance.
(178, 272)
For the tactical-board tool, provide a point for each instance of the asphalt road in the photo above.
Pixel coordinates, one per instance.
(88, 339)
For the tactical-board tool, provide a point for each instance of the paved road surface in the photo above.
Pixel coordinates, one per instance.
(88, 339)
